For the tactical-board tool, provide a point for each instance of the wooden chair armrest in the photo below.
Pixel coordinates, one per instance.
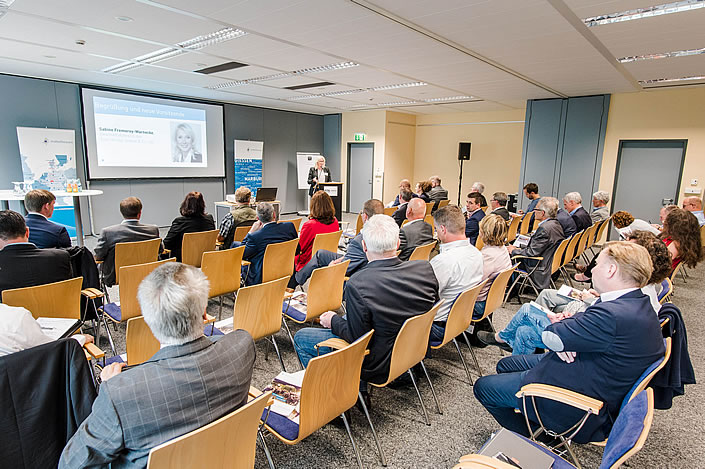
(288, 294)
(565, 396)
(92, 293)
(245, 263)
(97, 262)
(479, 460)
(219, 243)
(94, 351)
(538, 258)
(209, 319)
(166, 252)
(333, 343)
(345, 279)
(254, 392)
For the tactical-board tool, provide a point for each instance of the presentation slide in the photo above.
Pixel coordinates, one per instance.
(131, 136)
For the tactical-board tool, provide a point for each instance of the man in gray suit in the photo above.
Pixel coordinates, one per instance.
(437, 192)
(498, 203)
(543, 242)
(190, 382)
(416, 232)
(129, 230)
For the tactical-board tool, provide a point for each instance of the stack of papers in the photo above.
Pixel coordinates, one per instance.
(58, 328)
(286, 391)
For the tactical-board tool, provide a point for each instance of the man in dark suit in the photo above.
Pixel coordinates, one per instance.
(373, 301)
(355, 254)
(264, 231)
(567, 223)
(404, 184)
(498, 203)
(573, 204)
(22, 264)
(599, 352)
(42, 232)
(190, 382)
(474, 215)
(128, 231)
(437, 192)
(399, 214)
(416, 232)
(319, 173)
(543, 242)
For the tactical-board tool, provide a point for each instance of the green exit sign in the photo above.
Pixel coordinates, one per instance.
(360, 137)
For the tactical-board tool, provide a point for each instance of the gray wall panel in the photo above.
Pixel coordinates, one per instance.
(332, 135)
(241, 123)
(279, 166)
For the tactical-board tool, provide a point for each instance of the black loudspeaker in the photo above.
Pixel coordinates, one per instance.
(464, 151)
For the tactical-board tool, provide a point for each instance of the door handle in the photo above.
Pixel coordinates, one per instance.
(369, 181)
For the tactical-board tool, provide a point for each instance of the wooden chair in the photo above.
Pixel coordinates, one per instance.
(513, 227)
(557, 262)
(140, 343)
(459, 319)
(601, 230)
(278, 260)
(52, 300)
(443, 203)
(295, 221)
(326, 241)
(429, 207)
(195, 244)
(222, 268)
(526, 223)
(215, 445)
(479, 243)
(330, 387)
(666, 291)
(241, 232)
(137, 252)
(429, 219)
(423, 252)
(390, 210)
(358, 224)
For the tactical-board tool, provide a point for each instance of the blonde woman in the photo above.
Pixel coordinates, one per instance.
(495, 258)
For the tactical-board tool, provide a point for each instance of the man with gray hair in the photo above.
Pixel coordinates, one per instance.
(600, 210)
(381, 296)
(190, 382)
(479, 187)
(573, 205)
(498, 204)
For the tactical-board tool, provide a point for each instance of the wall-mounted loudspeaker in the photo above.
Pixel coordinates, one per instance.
(464, 150)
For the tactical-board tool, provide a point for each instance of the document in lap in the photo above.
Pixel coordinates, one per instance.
(58, 328)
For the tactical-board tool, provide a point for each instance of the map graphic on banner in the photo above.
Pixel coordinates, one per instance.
(248, 164)
(48, 162)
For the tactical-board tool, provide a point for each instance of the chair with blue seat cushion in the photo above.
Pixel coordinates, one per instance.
(666, 290)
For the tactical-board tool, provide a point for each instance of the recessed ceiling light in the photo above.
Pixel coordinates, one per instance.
(124, 19)
(448, 98)
(326, 68)
(399, 103)
(665, 55)
(648, 12)
(400, 85)
(50, 56)
(671, 80)
(276, 76)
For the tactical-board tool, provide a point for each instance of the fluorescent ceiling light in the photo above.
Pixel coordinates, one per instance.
(449, 98)
(400, 85)
(399, 103)
(361, 90)
(665, 55)
(648, 12)
(671, 80)
(276, 76)
(5, 6)
(326, 68)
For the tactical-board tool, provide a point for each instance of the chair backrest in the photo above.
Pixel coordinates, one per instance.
(512, 230)
(132, 276)
(295, 221)
(429, 207)
(558, 256)
(443, 203)
(422, 253)
(51, 300)
(140, 342)
(137, 252)
(702, 236)
(629, 431)
(495, 296)
(429, 219)
(325, 291)
(648, 374)
(330, 385)
(326, 241)
(223, 270)
(479, 242)
(358, 224)
(675, 271)
(278, 260)
(411, 343)
(526, 223)
(602, 228)
(666, 290)
(258, 308)
(390, 210)
(241, 231)
(195, 244)
(591, 237)
(582, 242)
(460, 315)
(213, 445)
(571, 249)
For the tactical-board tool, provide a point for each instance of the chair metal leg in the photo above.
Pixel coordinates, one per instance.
(352, 440)
(433, 391)
(462, 359)
(276, 349)
(372, 427)
(474, 358)
(291, 338)
(109, 334)
(423, 407)
(260, 437)
(220, 309)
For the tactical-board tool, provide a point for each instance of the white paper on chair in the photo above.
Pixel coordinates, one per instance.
(225, 326)
(286, 389)
(56, 328)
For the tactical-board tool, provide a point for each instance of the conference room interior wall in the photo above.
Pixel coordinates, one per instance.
(495, 158)
(400, 150)
(332, 128)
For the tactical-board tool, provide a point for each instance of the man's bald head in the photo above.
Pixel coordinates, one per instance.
(692, 204)
(416, 209)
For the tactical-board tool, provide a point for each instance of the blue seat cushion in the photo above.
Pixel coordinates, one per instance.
(286, 428)
(435, 343)
(113, 310)
(626, 429)
(209, 327)
(115, 359)
(293, 313)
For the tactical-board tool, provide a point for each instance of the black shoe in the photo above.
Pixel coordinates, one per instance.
(489, 339)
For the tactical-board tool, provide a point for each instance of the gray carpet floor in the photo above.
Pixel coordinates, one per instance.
(676, 439)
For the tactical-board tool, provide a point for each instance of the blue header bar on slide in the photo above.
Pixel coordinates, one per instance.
(121, 107)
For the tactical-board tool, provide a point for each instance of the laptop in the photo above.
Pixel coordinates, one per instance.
(266, 194)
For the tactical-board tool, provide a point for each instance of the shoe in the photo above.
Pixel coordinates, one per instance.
(582, 278)
(488, 339)
(581, 268)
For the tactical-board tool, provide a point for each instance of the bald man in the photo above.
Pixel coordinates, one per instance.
(695, 206)
(404, 184)
(415, 232)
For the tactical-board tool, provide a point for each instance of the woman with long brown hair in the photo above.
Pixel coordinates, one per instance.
(321, 220)
(681, 233)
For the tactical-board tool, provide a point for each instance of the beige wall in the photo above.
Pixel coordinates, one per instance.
(399, 152)
(665, 114)
(373, 124)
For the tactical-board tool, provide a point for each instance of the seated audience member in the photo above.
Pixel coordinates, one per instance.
(681, 233)
(128, 231)
(416, 232)
(599, 352)
(422, 190)
(22, 264)
(523, 333)
(190, 382)
(531, 191)
(321, 220)
(437, 192)
(572, 202)
(264, 231)
(19, 331)
(399, 214)
(474, 215)
(193, 219)
(42, 232)
(662, 214)
(457, 267)
(495, 258)
(567, 223)
(405, 185)
(355, 254)
(382, 296)
(600, 211)
(480, 188)
(695, 206)
(543, 242)
(498, 204)
(240, 214)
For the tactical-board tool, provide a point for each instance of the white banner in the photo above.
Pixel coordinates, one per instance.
(304, 162)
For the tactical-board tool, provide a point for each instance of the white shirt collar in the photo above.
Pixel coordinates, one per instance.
(37, 213)
(454, 244)
(129, 220)
(613, 295)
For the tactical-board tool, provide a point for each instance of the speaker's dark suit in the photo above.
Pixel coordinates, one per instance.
(313, 173)
(256, 243)
(543, 243)
(25, 265)
(46, 234)
(582, 219)
(126, 232)
(412, 235)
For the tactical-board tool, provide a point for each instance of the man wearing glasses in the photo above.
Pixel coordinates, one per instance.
(695, 206)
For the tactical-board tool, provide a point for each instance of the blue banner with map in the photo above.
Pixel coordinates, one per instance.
(248, 164)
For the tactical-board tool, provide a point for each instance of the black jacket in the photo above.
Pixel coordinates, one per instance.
(182, 225)
(313, 173)
(25, 265)
(670, 381)
(582, 219)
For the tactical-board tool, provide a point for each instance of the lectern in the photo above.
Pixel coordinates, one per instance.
(335, 191)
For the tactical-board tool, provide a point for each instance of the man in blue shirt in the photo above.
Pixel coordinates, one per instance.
(695, 206)
(600, 352)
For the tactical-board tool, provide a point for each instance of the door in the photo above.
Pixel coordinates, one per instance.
(648, 177)
(360, 174)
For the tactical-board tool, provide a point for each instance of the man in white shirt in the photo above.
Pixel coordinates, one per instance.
(457, 267)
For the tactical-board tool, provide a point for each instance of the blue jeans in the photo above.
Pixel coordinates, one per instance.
(305, 341)
(497, 393)
(321, 259)
(523, 332)
(479, 309)
(437, 332)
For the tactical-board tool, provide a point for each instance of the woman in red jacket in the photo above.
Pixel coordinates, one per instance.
(321, 220)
